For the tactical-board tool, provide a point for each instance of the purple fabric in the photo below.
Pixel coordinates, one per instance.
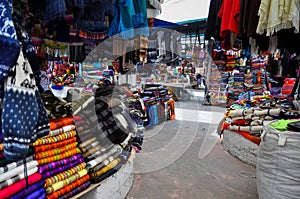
(1, 138)
(62, 168)
(37, 194)
(53, 165)
(30, 189)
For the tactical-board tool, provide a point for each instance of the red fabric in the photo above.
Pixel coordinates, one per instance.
(18, 186)
(252, 138)
(229, 12)
(241, 122)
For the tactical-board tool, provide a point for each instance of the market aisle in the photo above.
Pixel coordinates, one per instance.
(217, 175)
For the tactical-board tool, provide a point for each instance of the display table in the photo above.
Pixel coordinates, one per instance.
(240, 147)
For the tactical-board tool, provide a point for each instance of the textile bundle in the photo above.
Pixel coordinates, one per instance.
(59, 159)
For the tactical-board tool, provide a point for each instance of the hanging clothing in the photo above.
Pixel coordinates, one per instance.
(276, 15)
(229, 12)
(213, 21)
(122, 21)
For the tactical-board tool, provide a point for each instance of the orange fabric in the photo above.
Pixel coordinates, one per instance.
(47, 147)
(60, 122)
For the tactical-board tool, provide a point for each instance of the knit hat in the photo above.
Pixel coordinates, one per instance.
(9, 45)
(20, 110)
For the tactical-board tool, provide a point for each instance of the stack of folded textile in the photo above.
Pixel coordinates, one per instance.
(248, 120)
(19, 181)
(236, 85)
(60, 161)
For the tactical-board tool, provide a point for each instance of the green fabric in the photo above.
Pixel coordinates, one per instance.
(281, 125)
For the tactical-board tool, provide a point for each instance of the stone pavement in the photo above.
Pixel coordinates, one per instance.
(185, 159)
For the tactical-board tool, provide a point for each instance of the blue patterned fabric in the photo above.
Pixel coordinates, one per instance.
(9, 45)
(28, 190)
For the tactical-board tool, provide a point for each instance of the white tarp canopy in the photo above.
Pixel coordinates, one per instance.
(184, 10)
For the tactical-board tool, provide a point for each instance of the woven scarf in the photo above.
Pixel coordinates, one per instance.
(60, 122)
(77, 190)
(62, 130)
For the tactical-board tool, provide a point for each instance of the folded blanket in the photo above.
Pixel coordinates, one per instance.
(46, 147)
(62, 130)
(107, 174)
(56, 151)
(92, 151)
(105, 169)
(90, 146)
(62, 168)
(64, 175)
(59, 156)
(98, 153)
(66, 182)
(18, 170)
(13, 165)
(53, 165)
(69, 187)
(101, 158)
(28, 190)
(104, 163)
(75, 191)
(36, 194)
(88, 142)
(18, 186)
(54, 139)
(60, 122)
(17, 178)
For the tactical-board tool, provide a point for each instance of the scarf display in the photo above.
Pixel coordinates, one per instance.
(76, 190)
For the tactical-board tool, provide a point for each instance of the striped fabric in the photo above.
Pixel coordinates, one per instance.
(62, 130)
(54, 139)
(56, 151)
(64, 175)
(107, 174)
(101, 158)
(46, 147)
(105, 169)
(60, 169)
(18, 170)
(66, 182)
(105, 162)
(69, 187)
(59, 156)
(53, 165)
(17, 178)
(75, 191)
(15, 164)
(20, 185)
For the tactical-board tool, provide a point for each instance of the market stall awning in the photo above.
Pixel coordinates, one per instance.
(164, 24)
(192, 26)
